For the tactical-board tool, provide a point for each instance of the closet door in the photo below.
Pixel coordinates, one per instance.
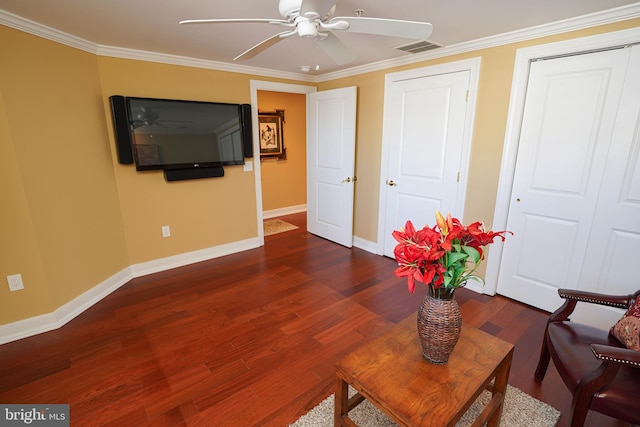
(614, 241)
(575, 148)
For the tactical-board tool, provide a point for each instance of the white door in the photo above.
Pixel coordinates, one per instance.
(425, 124)
(575, 207)
(331, 136)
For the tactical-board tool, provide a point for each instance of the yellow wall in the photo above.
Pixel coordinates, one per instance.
(61, 224)
(201, 213)
(73, 217)
(284, 181)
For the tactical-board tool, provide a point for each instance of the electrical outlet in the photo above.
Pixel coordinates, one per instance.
(166, 231)
(15, 282)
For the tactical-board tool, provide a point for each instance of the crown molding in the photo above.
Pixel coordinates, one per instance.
(581, 22)
(163, 58)
(610, 16)
(25, 25)
(31, 27)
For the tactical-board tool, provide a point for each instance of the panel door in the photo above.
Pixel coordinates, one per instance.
(564, 156)
(426, 120)
(331, 135)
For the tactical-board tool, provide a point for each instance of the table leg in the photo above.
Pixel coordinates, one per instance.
(341, 408)
(500, 387)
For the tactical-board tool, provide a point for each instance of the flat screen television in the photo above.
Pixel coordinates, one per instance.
(174, 134)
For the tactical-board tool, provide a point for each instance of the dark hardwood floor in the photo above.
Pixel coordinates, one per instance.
(246, 339)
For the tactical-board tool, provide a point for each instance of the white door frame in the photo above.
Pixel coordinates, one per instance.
(524, 56)
(255, 86)
(473, 66)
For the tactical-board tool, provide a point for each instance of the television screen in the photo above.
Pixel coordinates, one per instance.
(172, 134)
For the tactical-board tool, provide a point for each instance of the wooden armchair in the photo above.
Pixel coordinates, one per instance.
(602, 374)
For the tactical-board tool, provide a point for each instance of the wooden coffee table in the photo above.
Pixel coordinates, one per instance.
(392, 374)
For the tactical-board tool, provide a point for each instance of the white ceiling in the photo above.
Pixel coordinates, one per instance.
(152, 26)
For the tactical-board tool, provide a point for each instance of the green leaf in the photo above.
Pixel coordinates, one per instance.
(455, 257)
(473, 276)
(473, 253)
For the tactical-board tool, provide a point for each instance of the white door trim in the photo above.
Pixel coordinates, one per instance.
(524, 56)
(255, 86)
(473, 66)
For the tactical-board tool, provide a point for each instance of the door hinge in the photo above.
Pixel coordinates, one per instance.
(466, 99)
(458, 177)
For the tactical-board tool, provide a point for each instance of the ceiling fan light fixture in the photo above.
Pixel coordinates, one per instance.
(307, 29)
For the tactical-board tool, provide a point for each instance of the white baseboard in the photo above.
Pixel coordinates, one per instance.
(284, 211)
(476, 286)
(167, 263)
(64, 314)
(81, 303)
(365, 245)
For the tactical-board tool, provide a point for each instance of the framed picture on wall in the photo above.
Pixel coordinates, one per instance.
(270, 133)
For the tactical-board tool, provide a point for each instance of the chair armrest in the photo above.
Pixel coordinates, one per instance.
(613, 358)
(620, 301)
(572, 296)
(623, 356)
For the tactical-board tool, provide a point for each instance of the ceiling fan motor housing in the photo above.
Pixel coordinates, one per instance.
(290, 10)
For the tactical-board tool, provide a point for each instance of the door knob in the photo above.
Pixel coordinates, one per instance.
(347, 179)
(391, 183)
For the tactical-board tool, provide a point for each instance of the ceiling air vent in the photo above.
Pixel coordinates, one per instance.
(419, 46)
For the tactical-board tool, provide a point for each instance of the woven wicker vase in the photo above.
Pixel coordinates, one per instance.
(439, 327)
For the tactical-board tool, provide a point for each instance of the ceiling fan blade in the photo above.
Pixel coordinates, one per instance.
(226, 21)
(387, 27)
(313, 9)
(335, 49)
(262, 46)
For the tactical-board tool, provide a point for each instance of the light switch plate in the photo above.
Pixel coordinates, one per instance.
(15, 282)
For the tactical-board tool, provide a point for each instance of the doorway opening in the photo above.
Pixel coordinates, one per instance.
(283, 172)
(272, 89)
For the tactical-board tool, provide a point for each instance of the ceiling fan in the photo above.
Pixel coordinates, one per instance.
(314, 19)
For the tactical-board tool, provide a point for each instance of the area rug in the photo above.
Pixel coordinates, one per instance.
(275, 226)
(520, 409)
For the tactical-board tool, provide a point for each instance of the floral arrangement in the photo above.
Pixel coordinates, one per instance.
(443, 257)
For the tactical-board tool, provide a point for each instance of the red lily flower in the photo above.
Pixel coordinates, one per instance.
(443, 256)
